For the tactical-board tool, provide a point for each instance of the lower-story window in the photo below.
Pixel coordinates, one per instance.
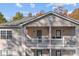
(58, 52)
(5, 53)
(39, 52)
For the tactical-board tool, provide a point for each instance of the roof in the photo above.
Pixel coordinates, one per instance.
(15, 23)
(27, 20)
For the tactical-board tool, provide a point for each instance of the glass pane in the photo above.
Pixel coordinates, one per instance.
(3, 34)
(39, 34)
(4, 52)
(39, 52)
(58, 33)
(0, 52)
(9, 34)
(9, 53)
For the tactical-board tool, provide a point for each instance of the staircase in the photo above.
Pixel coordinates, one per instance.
(26, 49)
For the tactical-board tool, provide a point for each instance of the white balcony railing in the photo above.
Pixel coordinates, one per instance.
(44, 42)
(69, 41)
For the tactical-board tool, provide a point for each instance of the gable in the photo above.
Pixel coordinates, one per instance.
(53, 19)
(56, 20)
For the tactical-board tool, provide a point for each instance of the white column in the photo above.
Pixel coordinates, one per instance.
(63, 41)
(50, 38)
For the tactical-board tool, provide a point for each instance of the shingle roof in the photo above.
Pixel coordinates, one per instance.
(26, 20)
(15, 23)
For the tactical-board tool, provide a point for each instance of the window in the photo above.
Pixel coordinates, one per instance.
(6, 52)
(6, 34)
(9, 34)
(39, 52)
(3, 35)
(39, 36)
(50, 19)
(58, 33)
(58, 52)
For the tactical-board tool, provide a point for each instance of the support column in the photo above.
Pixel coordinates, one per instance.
(50, 38)
(77, 41)
(22, 40)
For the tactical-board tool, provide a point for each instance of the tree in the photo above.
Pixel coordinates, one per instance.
(40, 13)
(18, 16)
(2, 19)
(75, 14)
(61, 10)
(29, 14)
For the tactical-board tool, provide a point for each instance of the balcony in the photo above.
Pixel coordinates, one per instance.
(45, 42)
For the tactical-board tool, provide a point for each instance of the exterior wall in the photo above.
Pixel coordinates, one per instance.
(69, 28)
(68, 52)
(77, 39)
(18, 35)
(65, 31)
(54, 20)
(11, 44)
(32, 31)
(61, 22)
(45, 52)
(64, 52)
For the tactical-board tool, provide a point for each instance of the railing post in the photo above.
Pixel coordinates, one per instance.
(63, 41)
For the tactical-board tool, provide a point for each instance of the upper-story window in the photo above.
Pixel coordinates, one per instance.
(6, 34)
(39, 36)
(51, 19)
(58, 33)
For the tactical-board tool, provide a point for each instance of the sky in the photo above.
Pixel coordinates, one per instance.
(10, 9)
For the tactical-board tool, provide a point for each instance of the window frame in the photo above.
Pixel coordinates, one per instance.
(6, 52)
(9, 34)
(6, 34)
(58, 52)
(39, 36)
(58, 36)
(2, 34)
(39, 51)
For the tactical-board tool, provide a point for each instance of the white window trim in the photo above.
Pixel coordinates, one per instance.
(6, 32)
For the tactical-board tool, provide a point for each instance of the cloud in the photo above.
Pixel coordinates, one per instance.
(49, 4)
(60, 4)
(32, 5)
(19, 5)
(54, 4)
(24, 12)
(70, 12)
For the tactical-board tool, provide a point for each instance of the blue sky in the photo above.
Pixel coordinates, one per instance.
(9, 9)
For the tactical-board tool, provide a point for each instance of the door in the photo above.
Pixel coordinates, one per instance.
(39, 52)
(39, 36)
(56, 52)
(58, 33)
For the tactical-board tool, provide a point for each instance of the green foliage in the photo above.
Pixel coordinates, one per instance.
(18, 16)
(2, 19)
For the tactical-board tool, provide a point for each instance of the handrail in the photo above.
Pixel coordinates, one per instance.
(43, 40)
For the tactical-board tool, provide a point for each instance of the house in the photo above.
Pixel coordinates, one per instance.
(48, 35)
